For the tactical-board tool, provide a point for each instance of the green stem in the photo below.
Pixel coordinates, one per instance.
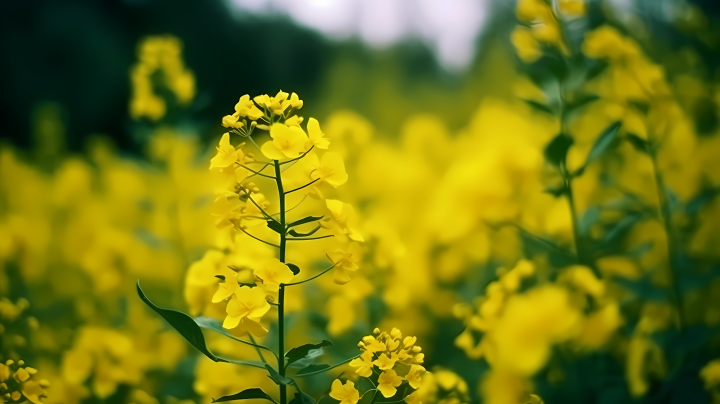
(317, 372)
(665, 217)
(308, 280)
(262, 358)
(281, 292)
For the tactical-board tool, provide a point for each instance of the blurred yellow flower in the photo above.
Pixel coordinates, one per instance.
(343, 219)
(346, 263)
(346, 393)
(330, 169)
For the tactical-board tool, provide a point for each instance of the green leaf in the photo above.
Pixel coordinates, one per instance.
(277, 378)
(540, 107)
(580, 102)
(275, 226)
(298, 234)
(557, 191)
(595, 70)
(603, 142)
(556, 150)
(589, 218)
(294, 268)
(307, 219)
(643, 288)
(248, 394)
(184, 324)
(312, 368)
(303, 351)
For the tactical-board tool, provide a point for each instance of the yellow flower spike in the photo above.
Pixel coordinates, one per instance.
(228, 285)
(33, 391)
(294, 121)
(364, 364)
(288, 141)
(414, 376)
(345, 263)
(232, 121)
(295, 101)
(245, 107)
(246, 302)
(330, 169)
(21, 375)
(226, 154)
(315, 136)
(383, 362)
(273, 273)
(388, 383)
(347, 393)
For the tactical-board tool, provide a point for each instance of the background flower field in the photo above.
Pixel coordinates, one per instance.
(542, 214)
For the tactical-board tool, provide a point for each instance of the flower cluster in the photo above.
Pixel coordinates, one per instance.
(16, 384)
(389, 361)
(159, 55)
(241, 205)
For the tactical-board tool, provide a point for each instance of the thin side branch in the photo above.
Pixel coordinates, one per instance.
(306, 185)
(308, 280)
(310, 238)
(256, 172)
(260, 240)
(298, 158)
(326, 369)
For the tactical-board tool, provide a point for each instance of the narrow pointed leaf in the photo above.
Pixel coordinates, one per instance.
(540, 107)
(638, 143)
(312, 368)
(298, 234)
(303, 351)
(277, 378)
(603, 142)
(183, 323)
(275, 226)
(307, 219)
(248, 394)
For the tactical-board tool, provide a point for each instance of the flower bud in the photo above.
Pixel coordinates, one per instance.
(21, 362)
(376, 331)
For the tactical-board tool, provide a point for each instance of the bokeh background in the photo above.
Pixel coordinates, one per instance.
(446, 114)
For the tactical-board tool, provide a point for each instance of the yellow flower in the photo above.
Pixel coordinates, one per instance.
(294, 121)
(711, 374)
(4, 372)
(364, 364)
(347, 393)
(573, 8)
(295, 101)
(345, 263)
(584, 279)
(245, 107)
(414, 376)
(33, 392)
(246, 302)
(21, 375)
(343, 218)
(331, 169)
(526, 46)
(383, 362)
(388, 383)
(599, 326)
(228, 284)
(288, 141)
(276, 104)
(315, 136)
(232, 121)
(273, 273)
(226, 154)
